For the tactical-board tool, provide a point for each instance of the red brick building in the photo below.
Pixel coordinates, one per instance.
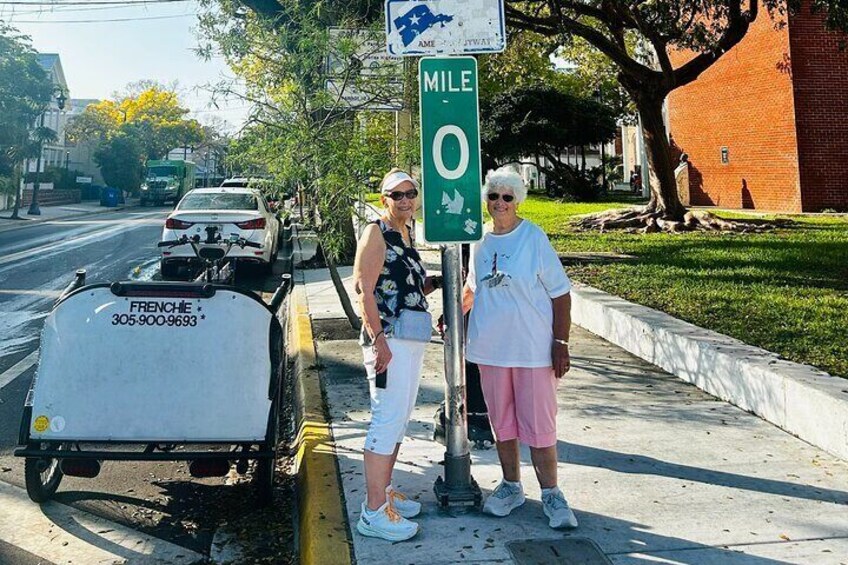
(766, 127)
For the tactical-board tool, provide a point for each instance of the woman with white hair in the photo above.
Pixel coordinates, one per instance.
(518, 335)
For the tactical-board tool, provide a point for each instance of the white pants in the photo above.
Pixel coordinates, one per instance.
(392, 406)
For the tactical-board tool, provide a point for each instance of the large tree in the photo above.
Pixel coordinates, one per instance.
(707, 29)
(25, 91)
(143, 124)
(299, 132)
(540, 123)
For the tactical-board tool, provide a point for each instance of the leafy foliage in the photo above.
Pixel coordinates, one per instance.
(299, 133)
(25, 91)
(540, 123)
(133, 129)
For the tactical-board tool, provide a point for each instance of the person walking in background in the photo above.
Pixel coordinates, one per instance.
(391, 285)
(518, 335)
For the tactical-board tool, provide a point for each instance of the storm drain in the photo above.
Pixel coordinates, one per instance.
(567, 551)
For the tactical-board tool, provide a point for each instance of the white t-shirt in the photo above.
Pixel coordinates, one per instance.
(514, 277)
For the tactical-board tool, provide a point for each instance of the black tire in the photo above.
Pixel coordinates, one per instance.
(265, 480)
(168, 270)
(143, 202)
(42, 476)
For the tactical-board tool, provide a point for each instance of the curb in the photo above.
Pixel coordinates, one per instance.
(23, 224)
(800, 399)
(323, 536)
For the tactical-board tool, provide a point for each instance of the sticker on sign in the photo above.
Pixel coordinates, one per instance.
(443, 27)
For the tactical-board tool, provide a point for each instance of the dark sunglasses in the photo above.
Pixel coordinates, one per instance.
(398, 196)
(493, 196)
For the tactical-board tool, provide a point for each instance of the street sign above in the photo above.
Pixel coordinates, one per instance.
(84, 180)
(385, 97)
(362, 52)
(450, 149)
(444, 27)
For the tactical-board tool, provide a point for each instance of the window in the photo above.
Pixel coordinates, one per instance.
(219, 201)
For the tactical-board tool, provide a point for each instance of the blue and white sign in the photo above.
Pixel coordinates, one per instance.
(444, 27)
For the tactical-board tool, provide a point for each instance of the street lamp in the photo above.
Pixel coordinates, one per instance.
(34, 210)
(599, 98)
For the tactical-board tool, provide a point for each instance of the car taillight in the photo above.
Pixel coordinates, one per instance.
(173, 224)
(257, 224)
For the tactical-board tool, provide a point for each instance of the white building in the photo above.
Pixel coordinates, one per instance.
(80, 156)
(54, 154)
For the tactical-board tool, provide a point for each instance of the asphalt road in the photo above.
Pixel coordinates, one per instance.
(36, 263)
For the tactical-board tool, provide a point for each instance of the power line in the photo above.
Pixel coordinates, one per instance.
(63, 10)
(102, 21)
(88, 3)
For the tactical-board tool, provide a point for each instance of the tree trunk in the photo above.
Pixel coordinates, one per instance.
(347, 306)
(18, 191)
(33, 205)
(664, 198)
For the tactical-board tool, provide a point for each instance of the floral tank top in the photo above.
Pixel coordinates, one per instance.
(401, 282)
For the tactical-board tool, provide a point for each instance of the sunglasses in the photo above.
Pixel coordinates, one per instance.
(493, 196)
(398, 196)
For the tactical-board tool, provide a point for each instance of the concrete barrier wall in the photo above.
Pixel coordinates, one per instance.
(801, 399)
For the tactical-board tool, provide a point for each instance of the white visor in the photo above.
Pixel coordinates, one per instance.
(395, 179)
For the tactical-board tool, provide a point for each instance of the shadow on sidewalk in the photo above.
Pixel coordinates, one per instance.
(634, 463)
(616, 537)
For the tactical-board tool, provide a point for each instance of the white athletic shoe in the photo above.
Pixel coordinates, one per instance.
(557, 510)
(385, 523)
(405, 507)
(504, 499)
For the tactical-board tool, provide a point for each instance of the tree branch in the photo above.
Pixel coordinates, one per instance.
(555, 25)
(738, 24)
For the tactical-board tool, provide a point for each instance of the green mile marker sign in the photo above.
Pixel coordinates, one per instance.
(450, 149)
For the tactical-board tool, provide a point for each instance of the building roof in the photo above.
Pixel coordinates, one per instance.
(52, 63)
(47, 60)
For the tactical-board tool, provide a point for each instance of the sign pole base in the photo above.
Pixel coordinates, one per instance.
(458, 489)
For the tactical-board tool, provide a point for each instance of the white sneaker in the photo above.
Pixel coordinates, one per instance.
(504, 499)
(405, 507)
(385, 523)
(557, 510)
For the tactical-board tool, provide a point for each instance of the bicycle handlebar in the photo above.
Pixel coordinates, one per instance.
(184, 240)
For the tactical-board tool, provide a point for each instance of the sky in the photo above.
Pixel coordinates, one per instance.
(103, 57)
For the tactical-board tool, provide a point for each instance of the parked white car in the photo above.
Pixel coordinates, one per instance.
(239, 211)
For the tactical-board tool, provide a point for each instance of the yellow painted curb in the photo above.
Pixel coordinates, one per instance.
(323, 531)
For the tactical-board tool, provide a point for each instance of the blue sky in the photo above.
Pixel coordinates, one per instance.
(101, 58)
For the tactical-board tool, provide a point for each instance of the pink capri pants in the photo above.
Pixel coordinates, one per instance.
(522, 403)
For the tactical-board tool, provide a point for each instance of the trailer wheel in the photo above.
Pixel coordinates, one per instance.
(42, 476)
(265, 481)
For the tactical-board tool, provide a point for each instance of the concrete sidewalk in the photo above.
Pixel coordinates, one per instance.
(655, 469)
(51, 213)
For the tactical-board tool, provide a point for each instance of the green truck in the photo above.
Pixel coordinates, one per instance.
(166, 180)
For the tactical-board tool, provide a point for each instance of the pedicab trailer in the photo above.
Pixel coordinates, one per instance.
(155, 371)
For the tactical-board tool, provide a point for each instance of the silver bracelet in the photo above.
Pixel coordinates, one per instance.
(561, 341)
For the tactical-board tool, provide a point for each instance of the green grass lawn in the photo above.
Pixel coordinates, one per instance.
(784, 290)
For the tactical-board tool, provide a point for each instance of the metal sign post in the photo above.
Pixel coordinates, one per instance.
(450, 175)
